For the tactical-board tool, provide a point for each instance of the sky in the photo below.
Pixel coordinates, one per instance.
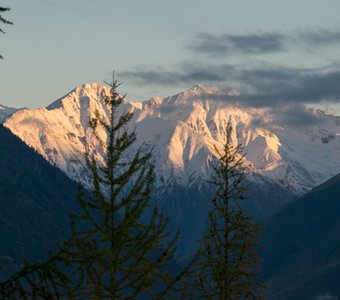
(272, 52)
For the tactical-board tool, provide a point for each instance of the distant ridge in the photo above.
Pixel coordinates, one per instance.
(6, 112)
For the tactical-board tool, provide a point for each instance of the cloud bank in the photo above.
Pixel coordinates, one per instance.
(261, 43)
(259, 85)
(284, 90)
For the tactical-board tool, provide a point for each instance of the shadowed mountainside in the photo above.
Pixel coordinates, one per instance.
(302, 246)
(35, 201)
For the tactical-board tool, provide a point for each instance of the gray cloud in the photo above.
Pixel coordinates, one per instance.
(151, 75)
(285, 91)
(296, 115)
(182, 73)
(319, 37)
(290, 114)
(291, 85)
(261, 42)
(260, 85)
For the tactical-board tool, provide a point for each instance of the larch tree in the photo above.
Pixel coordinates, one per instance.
(3, 20)
(120, 246)
(116, 251)
(228, 265)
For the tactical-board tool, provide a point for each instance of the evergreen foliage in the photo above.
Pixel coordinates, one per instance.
(42, 280)
(115, 253)
(3, 20)
(228, 263)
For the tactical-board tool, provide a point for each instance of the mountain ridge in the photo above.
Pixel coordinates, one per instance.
(184, 130)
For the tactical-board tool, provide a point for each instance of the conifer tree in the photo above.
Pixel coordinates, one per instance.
(3, 20)
(228, 263)
(115, 251)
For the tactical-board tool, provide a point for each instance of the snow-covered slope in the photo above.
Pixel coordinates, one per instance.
(284, 161)
(184, 130)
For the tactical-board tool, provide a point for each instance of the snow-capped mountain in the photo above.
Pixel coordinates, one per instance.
(184, 129)
(187, 127)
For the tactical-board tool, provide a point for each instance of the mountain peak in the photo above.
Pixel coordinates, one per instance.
(94, 90)
(201, 89)
(95, 85)
(198, 87)
(196, 92)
